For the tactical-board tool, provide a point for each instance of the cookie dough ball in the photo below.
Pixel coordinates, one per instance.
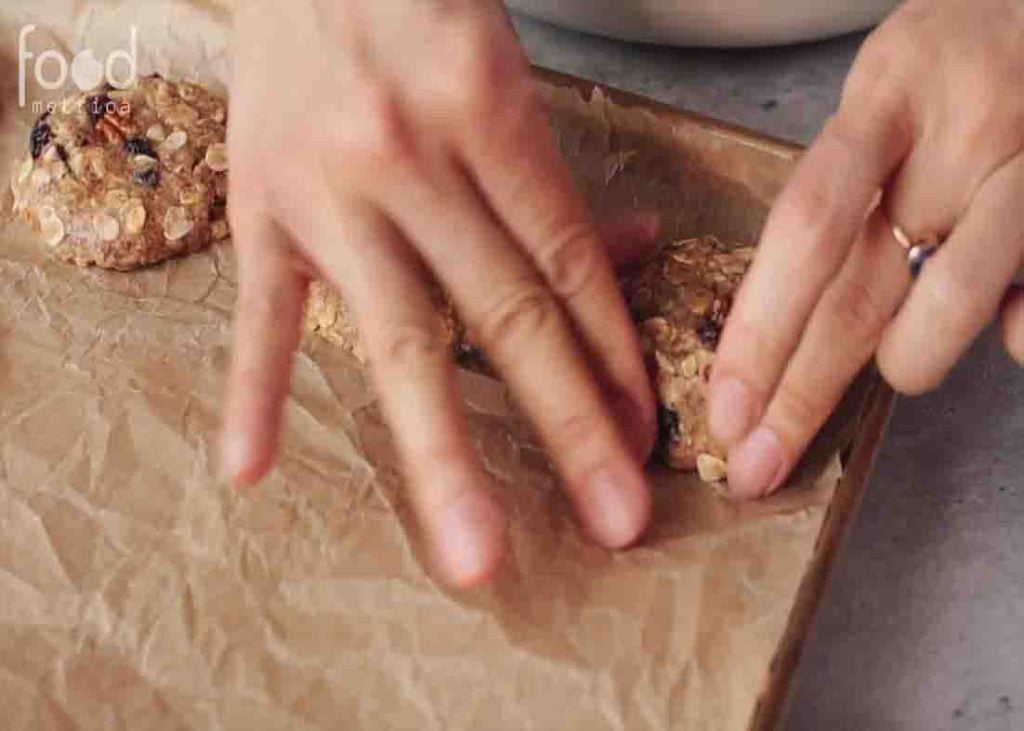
(122, 179)
(681, 301)
(329, 317)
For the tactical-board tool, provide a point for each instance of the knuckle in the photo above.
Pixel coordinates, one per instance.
(258, 304)
(798, 408)
(859, 309)
(898, 45)
(881, 58)
(808, 209)
(756, 339)
(485, 66)
(382, 136)
(407, 346)
(572, 261)
(515, 318)
(579, 439)
(995, 132)
(438, 449)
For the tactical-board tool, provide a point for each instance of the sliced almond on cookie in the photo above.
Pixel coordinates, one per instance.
(175, 141)
(144, 162)
(107, 227)
(220, 230)
(190, 196)
(177, 223)
(689, 366)
(217, 157)
(134, 217)
(51, 227)
(40, 178)
(76, 162)
(181, 114)
(98, 168)
(115, 198)
(670, 389)
(156, 133)
(711, 468)
(665, 365)
(25, 169)
(187, 91)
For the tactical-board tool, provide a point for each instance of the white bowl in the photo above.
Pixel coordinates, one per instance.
(711, 22)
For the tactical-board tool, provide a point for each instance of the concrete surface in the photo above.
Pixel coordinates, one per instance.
(922, 627)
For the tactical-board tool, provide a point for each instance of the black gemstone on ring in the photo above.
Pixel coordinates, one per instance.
(917, 256)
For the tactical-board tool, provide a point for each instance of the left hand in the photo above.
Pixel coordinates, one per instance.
(932, 116)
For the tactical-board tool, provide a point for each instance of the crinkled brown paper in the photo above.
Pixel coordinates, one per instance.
(139, 593)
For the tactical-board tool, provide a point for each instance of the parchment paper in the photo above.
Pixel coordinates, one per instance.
(139, 593)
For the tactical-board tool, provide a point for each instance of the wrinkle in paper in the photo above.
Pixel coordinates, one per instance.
(141, 593)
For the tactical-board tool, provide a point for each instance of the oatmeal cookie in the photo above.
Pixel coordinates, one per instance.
(329, 317)
(122, 179)
(679, 299)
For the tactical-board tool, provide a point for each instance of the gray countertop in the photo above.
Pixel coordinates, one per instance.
(921, 628)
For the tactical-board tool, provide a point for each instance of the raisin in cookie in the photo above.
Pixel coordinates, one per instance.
(122, 179)
(680, 299)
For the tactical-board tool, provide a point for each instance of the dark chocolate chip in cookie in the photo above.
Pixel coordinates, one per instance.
(150, 178)
(709, 331)
(97, 107)
(41, 136)
(140, 146)
(668, 425)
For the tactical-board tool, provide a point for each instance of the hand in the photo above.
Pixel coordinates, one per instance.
(375, 145)
(932, 117)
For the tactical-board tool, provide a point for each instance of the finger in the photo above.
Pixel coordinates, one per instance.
(271, 293)
(806, 239)
(941, 176)
(1013, 324)
(841, 335)
(373, 265)
(960, 289)
(513, 315)
(630, 237)
(515, 163)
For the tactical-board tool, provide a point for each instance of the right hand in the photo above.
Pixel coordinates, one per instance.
(376, 144)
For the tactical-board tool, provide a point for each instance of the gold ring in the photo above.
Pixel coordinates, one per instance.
(918, 252)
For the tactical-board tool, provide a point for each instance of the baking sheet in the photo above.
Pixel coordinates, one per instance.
(141, 593)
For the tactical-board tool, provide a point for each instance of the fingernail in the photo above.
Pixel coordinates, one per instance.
(470, 538)
(637, 426)
(757, 464)
(614, 507)
(233, 459)
(730, 411)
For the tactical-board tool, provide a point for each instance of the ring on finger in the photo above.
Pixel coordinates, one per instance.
(919, 251)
